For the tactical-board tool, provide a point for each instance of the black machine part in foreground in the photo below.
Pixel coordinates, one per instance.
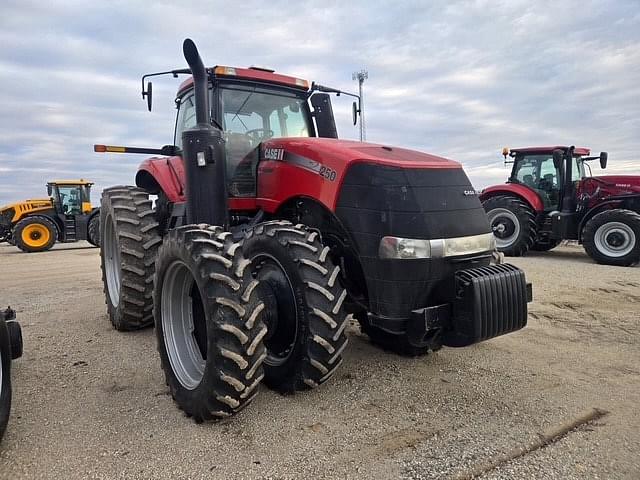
(204, 154)
(10, 349)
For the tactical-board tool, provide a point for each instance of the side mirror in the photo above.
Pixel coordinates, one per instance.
(148, 93)
(604, 156)
(355, 111)
(49, 190)
(558, 156)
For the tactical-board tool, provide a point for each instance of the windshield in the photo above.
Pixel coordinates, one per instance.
(251, 115)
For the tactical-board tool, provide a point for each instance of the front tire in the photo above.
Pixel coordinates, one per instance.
(208, 322)
(304, 311)
(612, 237)
(513, 224)
(35, 234)
(129, 243)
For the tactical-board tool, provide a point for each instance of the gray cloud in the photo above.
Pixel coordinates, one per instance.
(457, 79)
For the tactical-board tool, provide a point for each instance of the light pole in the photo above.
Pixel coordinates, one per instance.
(361, 76)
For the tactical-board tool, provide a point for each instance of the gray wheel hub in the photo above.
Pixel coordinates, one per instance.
(505, 226)
(112, 261)
(178, 327)
(615, 239)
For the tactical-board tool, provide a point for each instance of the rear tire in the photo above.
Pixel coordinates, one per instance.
(5, 377)
(612, 237)
(208, 322)
(513, 223)
(35, 234)
(129, 243)
(93, 230)
(304, 300)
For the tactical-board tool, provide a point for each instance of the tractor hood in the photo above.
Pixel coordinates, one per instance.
(344, 152)
(621, 183)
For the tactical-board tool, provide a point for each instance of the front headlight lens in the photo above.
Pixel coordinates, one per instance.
(395, 247)
(469, 245)
(408, 248)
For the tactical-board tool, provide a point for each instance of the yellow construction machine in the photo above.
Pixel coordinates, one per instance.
(66, 216)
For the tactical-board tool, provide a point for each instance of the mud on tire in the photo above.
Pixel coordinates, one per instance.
(129, 242)
(208, 322)
(303, 302)
(513, 224)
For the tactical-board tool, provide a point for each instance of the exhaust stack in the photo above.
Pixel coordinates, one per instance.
(203, 153)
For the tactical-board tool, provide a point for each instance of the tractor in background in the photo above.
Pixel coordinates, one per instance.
(66, 216)
(549, 198)
(10, 349)
(269, 235)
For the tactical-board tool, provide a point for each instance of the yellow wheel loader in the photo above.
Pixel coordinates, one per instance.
(66, 216)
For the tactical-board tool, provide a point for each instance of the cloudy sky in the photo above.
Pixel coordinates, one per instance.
(458, 79)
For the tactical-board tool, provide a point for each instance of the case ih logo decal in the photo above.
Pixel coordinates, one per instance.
(279, 154)
(274, 153)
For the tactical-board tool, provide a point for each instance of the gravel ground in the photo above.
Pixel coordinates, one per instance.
(90, 402)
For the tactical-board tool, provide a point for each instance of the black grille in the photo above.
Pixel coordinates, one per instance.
(490, 301)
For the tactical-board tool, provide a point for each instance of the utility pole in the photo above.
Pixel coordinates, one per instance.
(361, 76)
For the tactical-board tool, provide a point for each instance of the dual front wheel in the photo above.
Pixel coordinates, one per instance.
(229, 312)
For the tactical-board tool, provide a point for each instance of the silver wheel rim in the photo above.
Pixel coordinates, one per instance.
(176, 311)
(615, 239)
(503, 221)
(112, 261)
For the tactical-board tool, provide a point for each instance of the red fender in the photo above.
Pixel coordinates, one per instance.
(162, 174)
(514, 190)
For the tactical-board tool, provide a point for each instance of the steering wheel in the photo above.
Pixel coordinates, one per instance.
(259, 134)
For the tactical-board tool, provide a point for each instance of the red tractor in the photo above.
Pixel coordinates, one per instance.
(268, 235)
(549, 198)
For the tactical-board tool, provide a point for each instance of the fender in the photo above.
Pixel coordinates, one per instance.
(164, 174)
(514, 189)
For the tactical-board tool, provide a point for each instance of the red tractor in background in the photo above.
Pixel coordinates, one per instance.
(549, 198)
(268, 235)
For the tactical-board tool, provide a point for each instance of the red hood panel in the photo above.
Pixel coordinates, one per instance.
(347, 151)
(622, 182)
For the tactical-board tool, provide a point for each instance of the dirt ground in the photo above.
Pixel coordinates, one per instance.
(90, 402)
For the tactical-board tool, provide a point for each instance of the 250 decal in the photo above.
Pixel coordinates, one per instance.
(328, 173)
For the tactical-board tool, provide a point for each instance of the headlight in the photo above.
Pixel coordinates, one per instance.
(394, 247)
(407, 248)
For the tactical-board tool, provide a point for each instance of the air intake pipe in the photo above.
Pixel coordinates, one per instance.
(203, 153)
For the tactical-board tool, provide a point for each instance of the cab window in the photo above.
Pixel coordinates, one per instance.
(250, 116)
(70, 200)
(186, 118)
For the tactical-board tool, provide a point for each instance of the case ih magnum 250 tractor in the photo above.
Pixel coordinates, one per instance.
(549, 198)
(266, 238)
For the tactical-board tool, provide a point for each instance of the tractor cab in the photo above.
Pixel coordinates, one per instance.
(253, 105)
(70, 197)
(536, 169)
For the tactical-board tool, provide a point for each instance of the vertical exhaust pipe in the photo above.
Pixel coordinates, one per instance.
(203, 153)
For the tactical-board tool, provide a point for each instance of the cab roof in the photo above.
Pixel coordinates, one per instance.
(257, 74)
(550, 149)
(70, 182)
